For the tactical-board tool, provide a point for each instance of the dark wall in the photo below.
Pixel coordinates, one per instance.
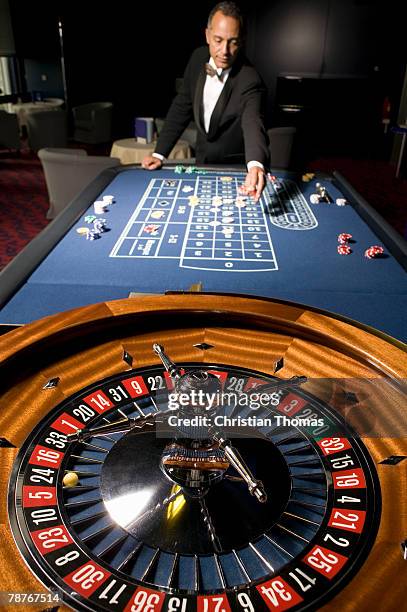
(44, 77)
(351, 53)
(7, 46)
(131, 56)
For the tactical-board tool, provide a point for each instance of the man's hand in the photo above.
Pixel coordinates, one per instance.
(255, 182)
(151, 163)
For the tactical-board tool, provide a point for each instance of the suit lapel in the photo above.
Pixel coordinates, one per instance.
(198, 100)
(220, 106)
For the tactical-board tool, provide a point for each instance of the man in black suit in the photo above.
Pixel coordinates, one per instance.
(223, 93)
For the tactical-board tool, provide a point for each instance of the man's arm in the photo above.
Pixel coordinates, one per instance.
(254, 133)
(255, 137)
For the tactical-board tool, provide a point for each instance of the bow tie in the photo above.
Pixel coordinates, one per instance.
(212, 72)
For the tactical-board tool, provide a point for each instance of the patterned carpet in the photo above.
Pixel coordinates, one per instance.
(23, 203)
(24, 199)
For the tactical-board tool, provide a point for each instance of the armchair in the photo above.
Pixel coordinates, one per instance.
(93, 122)
(47, 129)
(67, 172)
(9, 131)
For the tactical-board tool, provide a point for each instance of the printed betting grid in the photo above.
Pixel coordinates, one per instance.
(203, 222)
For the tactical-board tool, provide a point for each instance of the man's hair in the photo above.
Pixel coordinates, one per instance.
(229, 9)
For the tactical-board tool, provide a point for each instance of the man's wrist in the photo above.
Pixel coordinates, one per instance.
(158, 156)
(254, 164)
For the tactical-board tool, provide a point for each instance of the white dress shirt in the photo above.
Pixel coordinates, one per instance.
(212, 89)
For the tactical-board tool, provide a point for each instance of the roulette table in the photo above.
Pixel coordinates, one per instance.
(167, 231)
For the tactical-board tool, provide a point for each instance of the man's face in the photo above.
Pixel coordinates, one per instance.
(223, 38)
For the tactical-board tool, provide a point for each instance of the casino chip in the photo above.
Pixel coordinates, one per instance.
(188, 170)
(241, 201)
(374, 251)
(90, 218)
(193, 200)
(344, 238)
(226, 179)
(314, 198)
(99, 207)
(91, 234)
(151, 229)
(82, 230)
(99, 225)
(308, 176)
(341, 201)
(157, 214)
(275, 182)
(344, 249)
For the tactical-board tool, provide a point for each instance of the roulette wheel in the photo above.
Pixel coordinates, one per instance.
(282, 488)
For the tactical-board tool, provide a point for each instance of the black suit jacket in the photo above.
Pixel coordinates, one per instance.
(236, 131)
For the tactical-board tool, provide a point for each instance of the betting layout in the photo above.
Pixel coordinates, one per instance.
(205, 223)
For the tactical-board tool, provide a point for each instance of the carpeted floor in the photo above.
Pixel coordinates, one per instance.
(24, 199)
(23, 203)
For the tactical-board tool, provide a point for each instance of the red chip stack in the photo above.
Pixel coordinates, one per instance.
(344, 249)
(344, 238)
(374, 251)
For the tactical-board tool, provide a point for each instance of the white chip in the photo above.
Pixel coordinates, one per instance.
(314, 198)
(341, 201)
(99, 207)
(157, 214)
(227, 219)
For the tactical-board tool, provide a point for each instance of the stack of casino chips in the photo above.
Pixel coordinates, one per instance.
(343, 247)
(99, 225)
(91, 234)
(189, 170)
(374, 251)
